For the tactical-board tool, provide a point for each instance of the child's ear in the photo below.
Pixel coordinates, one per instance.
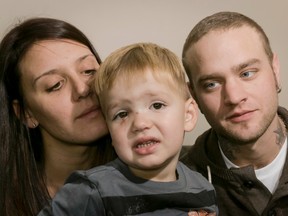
(30, 121)
(191, 114)
(193, 94)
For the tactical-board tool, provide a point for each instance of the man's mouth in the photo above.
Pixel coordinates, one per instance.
(240, 116)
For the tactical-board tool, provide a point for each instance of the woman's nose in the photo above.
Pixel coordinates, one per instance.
(81, 88)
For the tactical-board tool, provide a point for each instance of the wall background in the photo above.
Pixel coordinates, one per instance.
(110, 24)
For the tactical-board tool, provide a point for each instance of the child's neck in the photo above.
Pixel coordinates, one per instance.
(166, 173)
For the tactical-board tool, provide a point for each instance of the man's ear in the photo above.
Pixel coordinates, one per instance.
(30, 121)
(191, 114)
(276, 71)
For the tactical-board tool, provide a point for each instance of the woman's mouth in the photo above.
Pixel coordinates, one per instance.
(90, 112)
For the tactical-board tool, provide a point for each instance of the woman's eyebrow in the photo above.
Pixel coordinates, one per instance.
(50, 72)
(53, 71)
(85, 57)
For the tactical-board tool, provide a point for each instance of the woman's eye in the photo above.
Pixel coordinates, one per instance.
(90, 72)
(55, 87)
(157, 105)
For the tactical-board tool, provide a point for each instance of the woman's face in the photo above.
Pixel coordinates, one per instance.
(54, 80)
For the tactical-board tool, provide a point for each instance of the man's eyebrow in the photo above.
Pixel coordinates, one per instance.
(245, 64)
(207, 77)
(236, 68)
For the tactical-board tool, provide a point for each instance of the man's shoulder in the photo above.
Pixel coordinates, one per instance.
(199, 144)
(283, 113)
(195, 155)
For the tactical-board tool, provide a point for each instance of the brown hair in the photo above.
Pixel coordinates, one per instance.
(22, 186)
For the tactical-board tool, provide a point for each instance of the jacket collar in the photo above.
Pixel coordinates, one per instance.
(206, 152)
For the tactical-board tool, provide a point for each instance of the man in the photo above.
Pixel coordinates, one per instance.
(234, 77)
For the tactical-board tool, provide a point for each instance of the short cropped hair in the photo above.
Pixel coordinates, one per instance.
(223, 21)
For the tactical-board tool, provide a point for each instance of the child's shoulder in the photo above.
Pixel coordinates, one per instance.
(195, 178)
(98, 173)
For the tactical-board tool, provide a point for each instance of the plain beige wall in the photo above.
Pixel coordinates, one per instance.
(110, 24)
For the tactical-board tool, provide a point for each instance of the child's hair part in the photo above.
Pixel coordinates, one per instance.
(134, 59)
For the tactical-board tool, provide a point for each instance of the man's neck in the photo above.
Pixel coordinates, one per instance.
(258, 153)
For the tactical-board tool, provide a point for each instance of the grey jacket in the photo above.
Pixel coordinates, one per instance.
(113, 190)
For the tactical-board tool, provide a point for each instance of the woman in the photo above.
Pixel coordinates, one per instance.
(51, 123)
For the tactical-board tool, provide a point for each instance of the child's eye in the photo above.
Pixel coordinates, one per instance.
(120, 115)
(158, 105)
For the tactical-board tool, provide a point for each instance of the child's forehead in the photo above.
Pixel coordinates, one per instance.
(144, 72)
(138, 88)
(148, 74)
(140, 84)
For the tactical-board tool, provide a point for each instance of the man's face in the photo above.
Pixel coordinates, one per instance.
(234, 83)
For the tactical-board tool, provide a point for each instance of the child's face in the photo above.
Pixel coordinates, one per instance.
(147, 120)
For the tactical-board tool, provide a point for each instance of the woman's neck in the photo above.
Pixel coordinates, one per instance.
(62, 160)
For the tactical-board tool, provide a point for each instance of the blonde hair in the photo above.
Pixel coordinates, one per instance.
(135, 59)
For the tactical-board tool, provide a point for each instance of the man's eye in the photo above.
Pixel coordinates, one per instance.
(248, 74)
(210, 85)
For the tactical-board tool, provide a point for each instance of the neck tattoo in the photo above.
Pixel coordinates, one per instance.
(280, 133)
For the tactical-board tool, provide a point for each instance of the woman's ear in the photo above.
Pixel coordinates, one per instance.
(30, 121)
(191, 114)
